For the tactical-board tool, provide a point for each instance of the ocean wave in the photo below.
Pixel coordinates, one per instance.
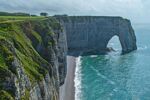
(93, 56)
(77, 79)
(142, 47)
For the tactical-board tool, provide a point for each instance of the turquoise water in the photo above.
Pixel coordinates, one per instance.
(115, 76)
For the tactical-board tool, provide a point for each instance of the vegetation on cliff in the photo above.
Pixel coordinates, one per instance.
(20, 40)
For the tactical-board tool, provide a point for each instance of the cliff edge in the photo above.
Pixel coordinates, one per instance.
(32, 59)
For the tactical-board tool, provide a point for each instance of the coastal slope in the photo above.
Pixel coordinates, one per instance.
(32, 58)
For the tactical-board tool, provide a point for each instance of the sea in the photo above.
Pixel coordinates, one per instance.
(115, 76)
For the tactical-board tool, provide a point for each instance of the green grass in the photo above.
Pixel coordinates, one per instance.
(32, 68)
(26, 53)
(4, 95)
(26, 96)
(8, 19)
(2, 61)
(37, 36)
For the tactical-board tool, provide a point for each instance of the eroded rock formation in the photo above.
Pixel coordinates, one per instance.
(90, 34)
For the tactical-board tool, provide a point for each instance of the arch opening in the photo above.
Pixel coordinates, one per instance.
(114, 44)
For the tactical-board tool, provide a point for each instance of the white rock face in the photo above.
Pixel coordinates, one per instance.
(90, 34)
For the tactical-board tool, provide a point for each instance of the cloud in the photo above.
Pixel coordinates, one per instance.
(137, 10)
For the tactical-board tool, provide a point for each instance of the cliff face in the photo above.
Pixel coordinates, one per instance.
(90, 34)
(32, 59)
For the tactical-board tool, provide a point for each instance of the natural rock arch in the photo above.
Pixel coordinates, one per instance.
(114, 44)
(89, 35)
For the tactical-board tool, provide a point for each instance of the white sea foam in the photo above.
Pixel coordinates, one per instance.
(93, 56)
(77, 79)
(142, 47)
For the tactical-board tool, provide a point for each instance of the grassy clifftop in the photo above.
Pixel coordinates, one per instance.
(20, 40)
(9, 19)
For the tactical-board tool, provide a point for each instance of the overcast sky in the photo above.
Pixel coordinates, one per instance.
(136, 10)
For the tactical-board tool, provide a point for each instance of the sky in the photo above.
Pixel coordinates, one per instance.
(136, 10)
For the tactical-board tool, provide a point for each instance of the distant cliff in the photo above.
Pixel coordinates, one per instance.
(88, 35)
(32, 59)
